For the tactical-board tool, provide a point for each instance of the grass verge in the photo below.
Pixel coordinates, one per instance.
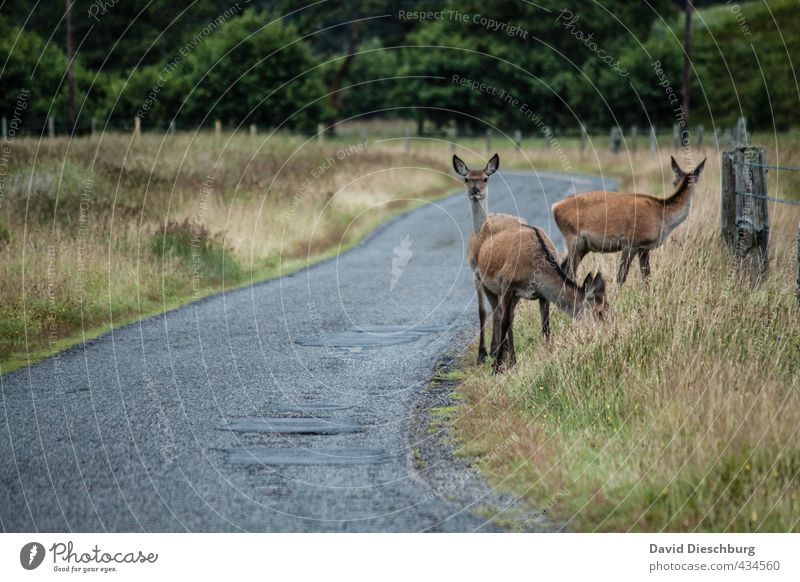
(98, 232)
(682, 413)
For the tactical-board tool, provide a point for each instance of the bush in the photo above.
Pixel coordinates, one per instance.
(198, 249)
(5, 235)
(256, 71)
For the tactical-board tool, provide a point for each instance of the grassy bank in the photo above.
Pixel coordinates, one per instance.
(101, 231)
(681, 414)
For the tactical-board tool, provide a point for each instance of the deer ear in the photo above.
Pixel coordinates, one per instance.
(599, 285)
(676, 168)
(493, 165)
(699, 169)
(459, 166)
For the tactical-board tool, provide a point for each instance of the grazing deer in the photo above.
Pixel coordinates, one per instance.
(477, 190)
(519, 262)
(608, 222)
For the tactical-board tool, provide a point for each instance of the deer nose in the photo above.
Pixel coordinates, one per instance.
(475, 191)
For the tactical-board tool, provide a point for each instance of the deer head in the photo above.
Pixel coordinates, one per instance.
(693, 175)
(594, 296)
(476, 180)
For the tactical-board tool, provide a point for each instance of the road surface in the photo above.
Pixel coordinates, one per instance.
(277, 407)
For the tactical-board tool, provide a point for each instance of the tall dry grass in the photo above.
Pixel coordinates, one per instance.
(104, 229)
(682, 413)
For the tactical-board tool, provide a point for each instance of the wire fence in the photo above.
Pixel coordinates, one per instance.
(774, 167)
(774, 199)
(745, 222)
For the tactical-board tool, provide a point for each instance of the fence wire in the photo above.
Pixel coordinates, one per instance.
(774, 167)
(771, 198)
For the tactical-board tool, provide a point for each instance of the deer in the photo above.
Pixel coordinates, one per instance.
(608, 222)
(476, 182)
(520, 262)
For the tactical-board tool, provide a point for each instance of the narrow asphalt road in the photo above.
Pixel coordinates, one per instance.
(277, 407)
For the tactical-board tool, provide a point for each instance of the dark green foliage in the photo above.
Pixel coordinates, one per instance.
(589, 63)
(5, 235)
(203, 252)
(254, 69)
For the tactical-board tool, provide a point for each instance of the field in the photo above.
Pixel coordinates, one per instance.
(682, 413)
(100, 231)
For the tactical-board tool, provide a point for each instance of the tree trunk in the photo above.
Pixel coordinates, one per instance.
(687, 59)
(335, 100)
(70, 76)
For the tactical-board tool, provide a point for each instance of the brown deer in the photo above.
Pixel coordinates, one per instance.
(477, 190)
(519, 262)
(608, 222)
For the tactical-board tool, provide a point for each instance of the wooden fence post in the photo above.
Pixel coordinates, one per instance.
(51, 127)
(700, 130)
(253, 130)
(320, 134)
(488, 140)
(217, 129)
(518, 138)
(740, 137)
(752, 216)
(634, 138)
(362, 136)
(94, 125)
(727, 138)
(616, 139)
(676, 136)
(137, 126)
(653, 140)
(727, 203)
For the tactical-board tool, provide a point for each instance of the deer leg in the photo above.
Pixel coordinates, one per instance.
(482, 319)
(644, 265)
(512, 351)
(544, 311)
(624, 265)
(505, 324)
(577, 250)
(572, 261)
(495, 304)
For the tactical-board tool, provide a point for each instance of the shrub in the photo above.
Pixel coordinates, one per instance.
(198, 249)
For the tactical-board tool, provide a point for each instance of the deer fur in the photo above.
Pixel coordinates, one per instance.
(608, 222)
(477, 191)
(519, 262)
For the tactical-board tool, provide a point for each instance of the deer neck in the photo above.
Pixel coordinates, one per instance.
(569, 298)
(680, 201)
(554, 284)
(478, 213)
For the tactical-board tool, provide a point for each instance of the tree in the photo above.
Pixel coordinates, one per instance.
(556, 61)
(38, 69)
(687, 57)
(257, 69)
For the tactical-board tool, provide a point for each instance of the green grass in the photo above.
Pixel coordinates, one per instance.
(682, 413)
(146, 240)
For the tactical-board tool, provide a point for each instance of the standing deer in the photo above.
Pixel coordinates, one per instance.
(477, 189)
(519, 262)
(608, 222)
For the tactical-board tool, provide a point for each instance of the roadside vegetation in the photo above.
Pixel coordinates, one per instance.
(682, 413)
(103, 230)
